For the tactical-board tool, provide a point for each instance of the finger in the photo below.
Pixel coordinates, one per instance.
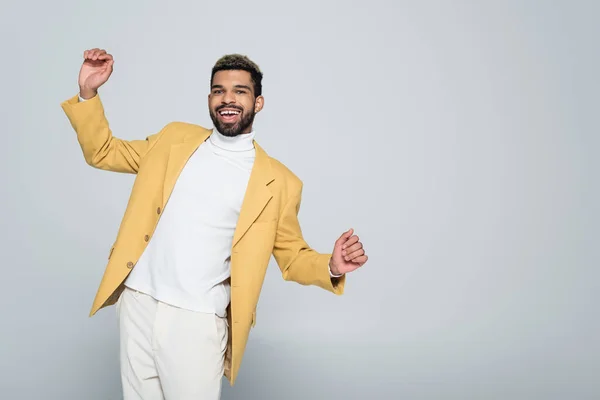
(361, 260)
(352, 248)
(105, 57)
(350, 242)
(95, 53)
(352, 256)
(345, 236)
(90, 53)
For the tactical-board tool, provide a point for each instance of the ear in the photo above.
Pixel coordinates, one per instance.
(259, 103)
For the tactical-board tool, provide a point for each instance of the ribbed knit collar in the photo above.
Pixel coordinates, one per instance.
(241, 142)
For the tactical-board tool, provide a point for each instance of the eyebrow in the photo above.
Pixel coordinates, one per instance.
(243, 87)
(236, 86)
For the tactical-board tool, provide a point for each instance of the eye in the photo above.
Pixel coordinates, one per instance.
(241, 92)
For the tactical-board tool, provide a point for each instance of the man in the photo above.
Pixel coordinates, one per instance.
(207, 210)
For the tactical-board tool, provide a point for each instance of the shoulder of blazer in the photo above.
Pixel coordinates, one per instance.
(283, 173)
(178, 131)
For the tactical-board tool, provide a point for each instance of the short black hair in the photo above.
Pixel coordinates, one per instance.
(239, 62)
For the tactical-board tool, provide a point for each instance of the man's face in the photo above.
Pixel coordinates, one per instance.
(231, 102)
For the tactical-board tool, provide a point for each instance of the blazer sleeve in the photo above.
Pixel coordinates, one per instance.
(100, 148)
(297, 261)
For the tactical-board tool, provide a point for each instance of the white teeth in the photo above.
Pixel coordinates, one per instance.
(229, 112)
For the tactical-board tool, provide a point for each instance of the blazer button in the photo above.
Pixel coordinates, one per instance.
(158, 210)
(129, 265)
(146, 238)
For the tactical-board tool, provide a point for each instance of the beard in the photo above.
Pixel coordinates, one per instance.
(232, 129)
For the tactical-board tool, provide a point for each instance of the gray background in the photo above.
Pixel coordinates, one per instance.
(458, 138)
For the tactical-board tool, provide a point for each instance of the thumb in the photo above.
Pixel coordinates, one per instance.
(345, 236)
(108, 70)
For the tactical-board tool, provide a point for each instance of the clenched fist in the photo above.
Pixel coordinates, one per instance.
(348, 254)
(95, 71)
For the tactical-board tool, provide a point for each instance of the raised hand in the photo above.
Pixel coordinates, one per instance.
(348, 254)
(95, 71)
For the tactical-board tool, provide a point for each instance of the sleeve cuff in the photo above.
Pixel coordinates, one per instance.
(81, 99)
(332, 275)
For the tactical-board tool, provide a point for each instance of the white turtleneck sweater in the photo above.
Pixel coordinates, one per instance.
(187, 261)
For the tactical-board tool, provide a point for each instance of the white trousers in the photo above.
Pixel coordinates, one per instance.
(169, 353)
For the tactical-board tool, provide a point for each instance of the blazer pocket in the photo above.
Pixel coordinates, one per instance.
(259, 225)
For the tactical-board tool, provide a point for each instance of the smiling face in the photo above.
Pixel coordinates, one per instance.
(232, 103)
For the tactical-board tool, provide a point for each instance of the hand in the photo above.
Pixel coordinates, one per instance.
(348, 254)
(95, 71)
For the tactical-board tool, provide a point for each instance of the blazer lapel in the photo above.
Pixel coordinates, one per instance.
(178, 157)
(257, 193)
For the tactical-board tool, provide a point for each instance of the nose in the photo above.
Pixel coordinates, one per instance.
(228, 98)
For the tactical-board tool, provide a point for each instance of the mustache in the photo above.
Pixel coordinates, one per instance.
(240, 109)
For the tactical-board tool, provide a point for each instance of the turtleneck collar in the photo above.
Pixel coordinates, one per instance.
(242, 142)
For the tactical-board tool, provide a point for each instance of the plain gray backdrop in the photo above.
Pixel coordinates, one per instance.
(459, 139)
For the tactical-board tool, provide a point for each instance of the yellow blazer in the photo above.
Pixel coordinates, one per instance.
(267, 224)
